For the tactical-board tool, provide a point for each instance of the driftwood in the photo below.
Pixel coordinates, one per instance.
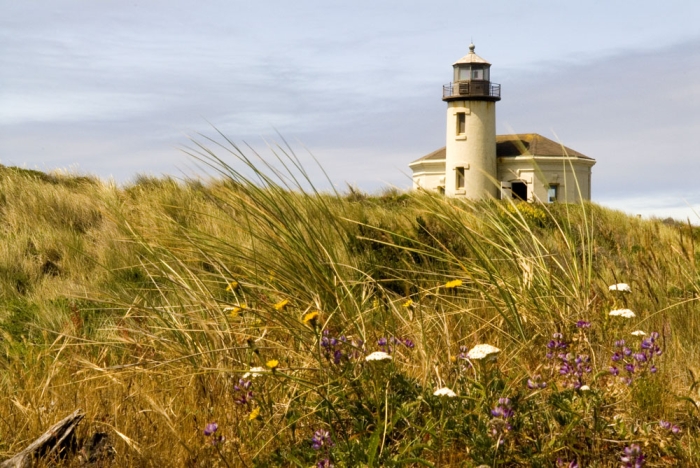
(58, 437)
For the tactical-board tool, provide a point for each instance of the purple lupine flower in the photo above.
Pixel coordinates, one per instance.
(614, 371)
(320, 439)
(653, 369)
(408, 343)
(210, 428)
(583, 324)
(626, 351)
(629, 368)
(654, 336)
(536, 382)
(619, 343)
(641, 357)
(242, 393)
(616, 357)
(325, 463)
(647, 343)
(633, 457)
(382, 341)
(669, 427)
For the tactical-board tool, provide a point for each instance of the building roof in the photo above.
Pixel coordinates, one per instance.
(522, 144)
(471, 57)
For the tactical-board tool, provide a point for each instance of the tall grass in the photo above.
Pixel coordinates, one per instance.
(149, 305)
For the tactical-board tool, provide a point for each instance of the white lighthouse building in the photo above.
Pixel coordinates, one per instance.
(476, 163)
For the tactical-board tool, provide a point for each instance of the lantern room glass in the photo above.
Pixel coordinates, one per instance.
(472, 72)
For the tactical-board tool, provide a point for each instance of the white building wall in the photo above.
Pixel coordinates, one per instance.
(474, 150)
(571, 176)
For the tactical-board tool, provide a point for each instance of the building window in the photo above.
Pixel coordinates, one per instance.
(552, 193)
(461, 123)
(459, 182)
(477, 74)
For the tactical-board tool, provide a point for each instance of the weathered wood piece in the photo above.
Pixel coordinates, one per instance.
(50, 442)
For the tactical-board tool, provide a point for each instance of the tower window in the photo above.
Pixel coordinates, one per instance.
(461, 123)
(459, 182)
(552, 193)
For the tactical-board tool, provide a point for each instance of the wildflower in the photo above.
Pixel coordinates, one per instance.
(310, 318)
(254, 414)
(633, 457)
(583, 324)
(320, 439)
(325, 463)
(501, 414)
(210, 428)
(408, 303)
(585, 388)
(272, 364)
(444, 391)
(625, 313)
(378, 356)
(670, 427)
(232, 286)
(281, 304)
(254, 372)
(236, 310)
(481, 351)
(614, 371)
(242, 393)
(409, 343)
(638, 333)
(453, 284)
(535, 383)
(624, 287)
(641, 357)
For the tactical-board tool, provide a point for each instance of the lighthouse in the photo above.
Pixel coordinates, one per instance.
(470, 149)
(477, 164)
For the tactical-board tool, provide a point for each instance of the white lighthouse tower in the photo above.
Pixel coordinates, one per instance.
(470, 150)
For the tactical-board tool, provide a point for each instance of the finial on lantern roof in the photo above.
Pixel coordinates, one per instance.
(471, 48)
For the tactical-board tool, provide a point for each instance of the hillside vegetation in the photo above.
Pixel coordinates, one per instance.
(249, 321)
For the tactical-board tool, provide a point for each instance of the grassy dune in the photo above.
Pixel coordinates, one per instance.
(148, 305)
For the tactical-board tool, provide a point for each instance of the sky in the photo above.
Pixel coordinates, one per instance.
(116, 89)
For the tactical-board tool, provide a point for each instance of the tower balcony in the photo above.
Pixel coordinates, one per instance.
(471, 90)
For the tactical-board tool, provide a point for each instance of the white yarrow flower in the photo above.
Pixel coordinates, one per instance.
(444, 391)
(254, 372)
(378, 356)
(626, 313)
(638, 333)
(620, 287)
(585, 388)
(481, 351)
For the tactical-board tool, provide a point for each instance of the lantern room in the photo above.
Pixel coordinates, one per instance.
(472, 80)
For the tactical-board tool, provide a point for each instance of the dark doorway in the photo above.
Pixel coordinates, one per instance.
(519, 191)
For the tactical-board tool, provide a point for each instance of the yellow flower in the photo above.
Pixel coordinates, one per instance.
(310, 318)
(232, 286)
(408, 303)
(254, 414)
(272, 364)
(236, 311)
(453, 284)
(281, 304)
(375, 303)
